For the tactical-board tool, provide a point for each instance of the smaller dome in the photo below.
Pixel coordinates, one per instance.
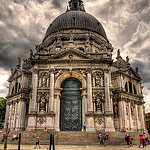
(76, 20)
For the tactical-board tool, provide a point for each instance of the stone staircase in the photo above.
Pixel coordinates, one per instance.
(73, 138)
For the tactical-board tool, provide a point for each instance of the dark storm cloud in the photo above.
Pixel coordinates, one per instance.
(144, 70)
(57, 3)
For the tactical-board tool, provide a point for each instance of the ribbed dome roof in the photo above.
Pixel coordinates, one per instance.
(76, 20)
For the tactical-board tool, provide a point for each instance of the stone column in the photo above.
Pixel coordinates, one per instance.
(33, 102)
(22, 112)
(57, 111)
(10, 115)
(109, 122)
(108, 107)
(6, 115)
(89, 91)
(51, 97)
(84, 106)
(136, 114)
(142, 117)
(15, 114)
(130, 115)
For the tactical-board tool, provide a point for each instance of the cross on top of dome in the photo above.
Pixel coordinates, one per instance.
(76, 5)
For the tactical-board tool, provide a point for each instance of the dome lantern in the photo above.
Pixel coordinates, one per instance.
(76, 5)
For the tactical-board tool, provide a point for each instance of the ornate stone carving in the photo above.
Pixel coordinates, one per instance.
(44, 79)
(19, 63)
(97, 78)
(42, 100)
(121, 63)
(99, 100)
(99, 121)
(127, 109)
(115, 108)
(26, 64)
(41, 120)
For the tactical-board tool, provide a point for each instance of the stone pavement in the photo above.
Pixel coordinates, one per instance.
(73, 147)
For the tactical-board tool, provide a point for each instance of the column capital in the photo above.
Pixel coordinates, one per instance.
(36, 71)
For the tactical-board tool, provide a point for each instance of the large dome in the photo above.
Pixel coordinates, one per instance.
(76, 20)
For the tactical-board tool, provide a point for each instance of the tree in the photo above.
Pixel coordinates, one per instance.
(2, 108)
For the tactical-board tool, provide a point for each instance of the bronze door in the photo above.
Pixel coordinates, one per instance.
(71, 110)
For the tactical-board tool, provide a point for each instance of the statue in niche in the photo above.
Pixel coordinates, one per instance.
(58, 42)
(71, 36)
(98, 80)
(115, 110)
(132, 110)
(98, 104)
(127, 110)
(43, 104)
(44, 81)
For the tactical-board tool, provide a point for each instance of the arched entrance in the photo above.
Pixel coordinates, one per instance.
(71, 105)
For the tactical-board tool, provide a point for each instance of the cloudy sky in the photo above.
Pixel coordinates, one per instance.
(23, 24)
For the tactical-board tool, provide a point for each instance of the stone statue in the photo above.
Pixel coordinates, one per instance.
(137, 70)
(31, 54)
(42, 104)
(19, 63)
(127, 59)
(71, 36)
(118, 53)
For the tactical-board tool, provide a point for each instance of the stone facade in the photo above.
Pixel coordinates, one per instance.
(111, 91)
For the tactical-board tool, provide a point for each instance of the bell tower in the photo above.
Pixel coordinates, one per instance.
(76, 5)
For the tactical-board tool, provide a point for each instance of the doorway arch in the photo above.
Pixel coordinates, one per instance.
(71, 105)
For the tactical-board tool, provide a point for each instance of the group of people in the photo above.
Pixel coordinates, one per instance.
(143, 140)
(103, 138)
(129, 140)
(123, 129)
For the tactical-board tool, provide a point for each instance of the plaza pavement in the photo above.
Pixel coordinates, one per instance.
(73, 147)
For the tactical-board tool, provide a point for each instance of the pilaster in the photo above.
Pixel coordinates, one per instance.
(51, 97)
(89, 91)
(33, 106)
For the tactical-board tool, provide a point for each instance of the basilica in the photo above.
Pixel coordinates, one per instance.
(71, 78)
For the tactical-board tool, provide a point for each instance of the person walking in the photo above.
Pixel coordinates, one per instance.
(104, 139)
(127, 140)
(101, 139)
(131, 141)
(37, 142)
(141, 141)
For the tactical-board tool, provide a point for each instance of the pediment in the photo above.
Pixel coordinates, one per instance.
(132, 73)
(72, 54)
(15, 74)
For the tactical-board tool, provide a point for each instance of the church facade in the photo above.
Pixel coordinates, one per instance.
(72, 79)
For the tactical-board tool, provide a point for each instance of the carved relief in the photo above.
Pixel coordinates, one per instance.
(99, 100)
(99, 121)
(43, 100)
(132, 110)
(97, 79)
(41, 120)
(127, 109)
(115, 108)
(44, 79)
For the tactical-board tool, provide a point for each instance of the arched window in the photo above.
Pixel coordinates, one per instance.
(130, 87)
(19, 87)
(135, 92)
(12, 92)
(16, 87)
(126, 87)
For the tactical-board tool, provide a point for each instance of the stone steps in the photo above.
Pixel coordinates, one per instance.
(73, 138)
